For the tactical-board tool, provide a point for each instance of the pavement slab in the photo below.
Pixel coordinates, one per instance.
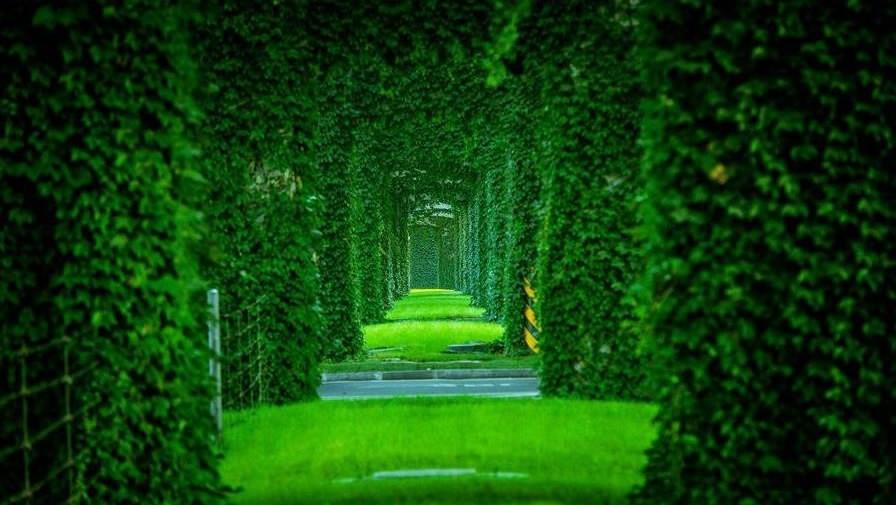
(496, 387)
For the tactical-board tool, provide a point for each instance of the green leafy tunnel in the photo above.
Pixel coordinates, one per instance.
(705, 225)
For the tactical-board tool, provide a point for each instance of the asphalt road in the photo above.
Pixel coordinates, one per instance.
(354, 390)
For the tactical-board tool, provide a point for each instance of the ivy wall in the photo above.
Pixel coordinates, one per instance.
(771, 251)
(424, 256)
(261, 215)
(99, 212)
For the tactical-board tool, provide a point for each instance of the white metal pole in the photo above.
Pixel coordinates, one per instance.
(214, 362)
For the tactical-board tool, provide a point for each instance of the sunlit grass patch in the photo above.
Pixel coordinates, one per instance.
(434, 304)
(419, 329)
(569, 451)
(426, 340)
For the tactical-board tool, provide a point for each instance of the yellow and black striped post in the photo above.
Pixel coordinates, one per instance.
(530, 323)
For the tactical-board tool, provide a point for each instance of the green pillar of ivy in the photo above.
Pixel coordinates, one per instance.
(260, 211)
(96, 208)
(588, 257)
(772, 243)
(341, 327)
(495, 234)
(369, 227)
(523, 187)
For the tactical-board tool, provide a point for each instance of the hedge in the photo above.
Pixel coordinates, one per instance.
(98, 243)
(339, 297)
(588, 257)
(769, 152)
(448, 253)
(261, 214)
(424, 243)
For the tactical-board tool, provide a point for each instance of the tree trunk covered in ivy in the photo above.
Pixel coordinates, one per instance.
(495, 233)
(474, 248)
(401, 249)
(369, 227)
(523, 189)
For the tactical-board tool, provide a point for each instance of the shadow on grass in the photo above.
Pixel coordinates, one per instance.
(446, 491)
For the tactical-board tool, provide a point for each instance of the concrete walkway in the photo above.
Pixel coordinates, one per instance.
(439, 373)
(498, 387)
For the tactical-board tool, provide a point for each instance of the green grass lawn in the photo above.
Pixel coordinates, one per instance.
(568, 451)
(434, 304)
(420, 327)
(427, 340)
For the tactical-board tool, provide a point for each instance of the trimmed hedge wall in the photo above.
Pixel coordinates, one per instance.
(339, 297)
(424, 256)
(448, 254)
(261, 214)
(769, 158)
(369, 227)
(97, 242)
(588, 257)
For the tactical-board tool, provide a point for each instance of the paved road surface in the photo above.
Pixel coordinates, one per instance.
(352, 390)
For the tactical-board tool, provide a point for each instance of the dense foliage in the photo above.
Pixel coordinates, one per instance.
(769, 142)
(315, 160)
(98, 229)
(261, 214)
(338, 268)
(579, 88)
(587, 257)
(424, 243)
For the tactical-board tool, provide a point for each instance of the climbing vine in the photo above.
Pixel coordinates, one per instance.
(100, 344)
(588, 256)
(262, 215)
(687, 202)
(771, 245)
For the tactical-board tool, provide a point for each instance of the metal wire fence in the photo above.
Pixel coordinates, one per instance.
(40, 438)
(243, 355)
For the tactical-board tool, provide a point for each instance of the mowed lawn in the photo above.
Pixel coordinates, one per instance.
(524, 451)
(423, 324)
(419, 329)
(434, 304)
(426, 340)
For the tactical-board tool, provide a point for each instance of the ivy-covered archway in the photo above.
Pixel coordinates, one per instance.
(675, 198)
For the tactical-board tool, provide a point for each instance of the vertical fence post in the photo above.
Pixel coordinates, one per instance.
(214, 362)
(241, 366)
(258, 335)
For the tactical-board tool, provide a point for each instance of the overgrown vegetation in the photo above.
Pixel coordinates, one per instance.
(771, 249)
(104, 382)
(261, 215)
(699, 195)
